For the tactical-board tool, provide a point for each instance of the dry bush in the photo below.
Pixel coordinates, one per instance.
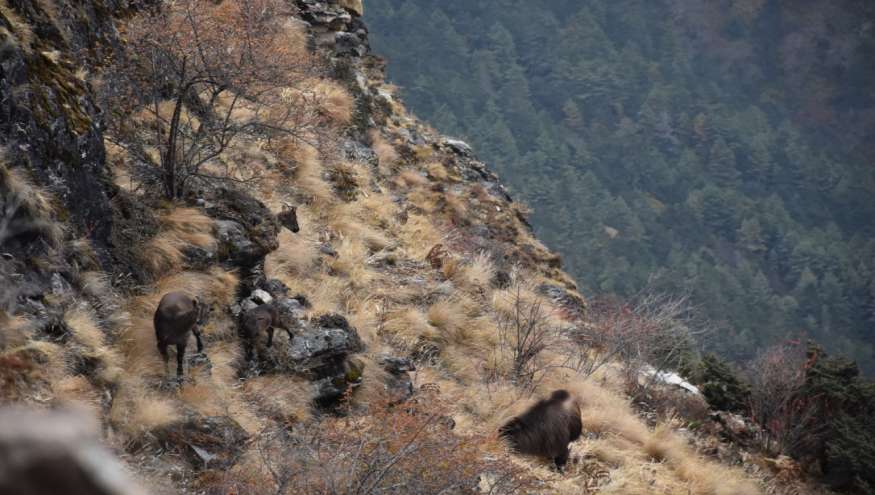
(347, 179)
(238, 69)
(654, 330)
(525, 332)
(406, 449)
(775, 377)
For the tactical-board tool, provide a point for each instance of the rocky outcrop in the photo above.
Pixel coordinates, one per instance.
(206, 442)
(245, 228)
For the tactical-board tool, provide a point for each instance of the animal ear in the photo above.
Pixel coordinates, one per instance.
(196, 301)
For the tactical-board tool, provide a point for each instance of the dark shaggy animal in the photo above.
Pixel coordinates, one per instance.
(178, 314)
(263, 318)
(546, 429)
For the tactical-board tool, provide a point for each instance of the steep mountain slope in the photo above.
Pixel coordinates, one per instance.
(422, 310)
(720, 147)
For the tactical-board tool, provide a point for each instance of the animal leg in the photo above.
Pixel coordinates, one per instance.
(250, 347)
(290, 335)
(162, 348)
(269, 336)
(562, 459)
(180, 358)
(197, 335)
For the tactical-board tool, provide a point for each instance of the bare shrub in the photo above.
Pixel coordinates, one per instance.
(199, 75)
(525, 331)
(403, 449)
(776, 377)
(654, 332)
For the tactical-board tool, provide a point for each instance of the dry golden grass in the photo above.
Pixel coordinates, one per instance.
(349, 222)
(333, 100)
(408, 327)
(163, 255)
(90, 341)
(77, 391)
(425, 199)
(350, 262)
(380, 210)
(410, 178)
(37, 202)
(84, 329)
(135, 410)
(97, 285)
(217, 286)
(437, 171)
(373, 385)
(459, 323)
(309, 173)
(476, 274)
(456, 206)
(180, 228)
(282, 398)
(386, 154)
(296, 256)
(418, 236)
(14, 331)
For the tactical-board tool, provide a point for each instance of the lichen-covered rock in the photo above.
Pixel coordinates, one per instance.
(321, 351)
(206, 442)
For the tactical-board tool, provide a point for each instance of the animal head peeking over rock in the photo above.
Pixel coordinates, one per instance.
(289, 218)
(546, 428)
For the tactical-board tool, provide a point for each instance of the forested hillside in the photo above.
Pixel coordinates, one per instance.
(721, 148)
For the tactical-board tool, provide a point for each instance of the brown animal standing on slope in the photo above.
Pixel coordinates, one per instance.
(546, 429)
(178, 314)
(264, 318)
